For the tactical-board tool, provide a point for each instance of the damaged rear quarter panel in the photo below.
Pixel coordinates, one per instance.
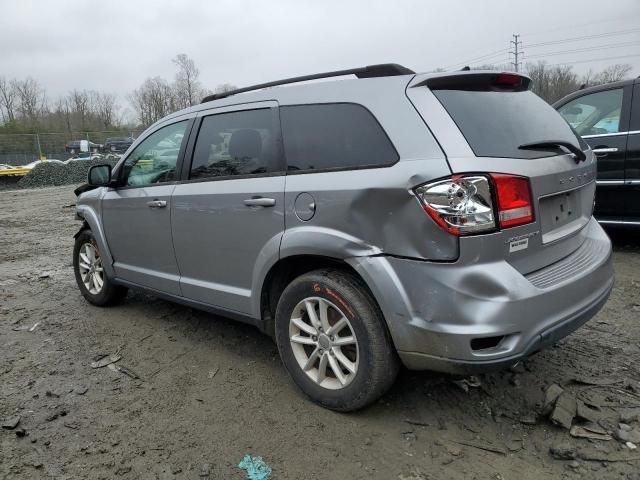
(367, 212)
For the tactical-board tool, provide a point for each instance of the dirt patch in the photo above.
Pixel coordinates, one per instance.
(190, 393)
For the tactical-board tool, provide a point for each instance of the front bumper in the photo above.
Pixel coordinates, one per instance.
(434, 311)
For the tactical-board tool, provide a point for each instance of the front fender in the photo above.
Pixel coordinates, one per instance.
(90, 218)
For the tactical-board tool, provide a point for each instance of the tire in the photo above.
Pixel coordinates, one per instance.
(373, 356)
(108, 293)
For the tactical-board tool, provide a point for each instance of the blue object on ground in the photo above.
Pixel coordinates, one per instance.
(256, 468)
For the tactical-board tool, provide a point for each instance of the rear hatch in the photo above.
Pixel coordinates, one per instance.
(490, 124)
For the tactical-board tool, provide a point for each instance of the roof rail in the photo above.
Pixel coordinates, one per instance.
(381, 70)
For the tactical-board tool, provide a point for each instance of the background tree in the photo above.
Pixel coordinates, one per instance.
(225, 87)
(153, 100)
(106, 108)
(31, 100)
(552, 82)
(7, 101)
(187, 89)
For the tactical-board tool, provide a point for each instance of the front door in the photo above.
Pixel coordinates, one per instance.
(229, 212)
(137, 215)
(602, 119)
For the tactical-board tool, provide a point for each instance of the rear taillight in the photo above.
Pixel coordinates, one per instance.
(515, 206)
(463, 204)
(460, 205)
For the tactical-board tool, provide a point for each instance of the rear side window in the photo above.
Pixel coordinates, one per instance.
(496, 123)
(236, 143)
(330, 136)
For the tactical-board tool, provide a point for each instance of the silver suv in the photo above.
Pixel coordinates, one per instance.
(439, 221)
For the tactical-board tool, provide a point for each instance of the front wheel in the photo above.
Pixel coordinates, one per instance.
(333, 340)
(91, 278)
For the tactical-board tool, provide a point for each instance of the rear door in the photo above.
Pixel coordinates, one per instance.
(482, 120)
(228, 212)
(632, 170)
(602, 119)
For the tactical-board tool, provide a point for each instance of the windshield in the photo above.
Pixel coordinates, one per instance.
(496, 123)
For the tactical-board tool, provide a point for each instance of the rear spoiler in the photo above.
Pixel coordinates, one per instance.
(479, 81)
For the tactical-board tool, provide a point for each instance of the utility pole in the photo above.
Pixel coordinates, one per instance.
(516, 52)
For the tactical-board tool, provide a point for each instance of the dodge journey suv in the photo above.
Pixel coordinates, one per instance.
(436, 221)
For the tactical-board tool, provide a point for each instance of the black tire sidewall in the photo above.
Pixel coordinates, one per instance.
(365, 321)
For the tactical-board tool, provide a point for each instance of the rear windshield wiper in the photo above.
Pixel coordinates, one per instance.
(580, 155)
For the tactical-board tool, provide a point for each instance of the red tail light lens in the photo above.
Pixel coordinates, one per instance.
(515, 204)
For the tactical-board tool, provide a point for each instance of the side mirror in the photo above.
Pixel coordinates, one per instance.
(99, 175)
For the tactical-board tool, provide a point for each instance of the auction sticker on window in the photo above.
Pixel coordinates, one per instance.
(517, 245)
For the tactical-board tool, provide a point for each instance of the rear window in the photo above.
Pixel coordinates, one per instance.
(330, 136)
(495, 123)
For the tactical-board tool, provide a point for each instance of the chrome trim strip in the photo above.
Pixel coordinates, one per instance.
(619, 222)
(634, 132)
(608, 134)
(617, 182)
(609, 182)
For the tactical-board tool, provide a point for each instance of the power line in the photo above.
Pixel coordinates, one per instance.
(584, 37)
(596, 59)
(491, 55)
(564, 26)
(586, 49)
(475, 59)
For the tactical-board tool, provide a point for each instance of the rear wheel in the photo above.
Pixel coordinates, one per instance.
(333, 340)
(91, 278)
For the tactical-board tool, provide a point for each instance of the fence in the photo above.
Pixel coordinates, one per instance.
(23, 148)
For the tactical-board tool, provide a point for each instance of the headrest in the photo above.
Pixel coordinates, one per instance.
(245, 143)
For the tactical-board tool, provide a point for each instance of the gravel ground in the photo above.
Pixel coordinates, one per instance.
(195, 392)
(49, 174)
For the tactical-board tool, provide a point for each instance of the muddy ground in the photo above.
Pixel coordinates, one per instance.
(210, 390)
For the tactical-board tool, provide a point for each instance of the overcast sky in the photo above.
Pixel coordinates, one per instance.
(114, 45)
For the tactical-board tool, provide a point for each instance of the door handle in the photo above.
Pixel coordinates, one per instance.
(603, 151)
(157, 204)
(260, 202)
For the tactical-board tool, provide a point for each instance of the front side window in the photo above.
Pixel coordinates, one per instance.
(596, 113)
(155, 159)
(235, 143)
(328, 136)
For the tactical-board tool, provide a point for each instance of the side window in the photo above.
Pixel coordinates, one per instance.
(235, 143)
(596, 113)
(154, 160)
(340, 135)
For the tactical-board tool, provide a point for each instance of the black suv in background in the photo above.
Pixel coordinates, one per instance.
(608, 118)
(117, 144)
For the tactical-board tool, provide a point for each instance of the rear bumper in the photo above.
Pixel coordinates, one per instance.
(434, 311)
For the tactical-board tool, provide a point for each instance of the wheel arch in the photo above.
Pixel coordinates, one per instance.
(287, 269)
(91, 222)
